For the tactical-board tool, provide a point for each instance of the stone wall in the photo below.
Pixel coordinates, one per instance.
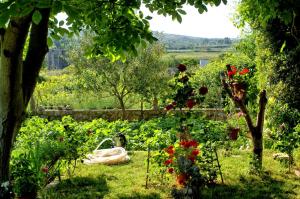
(115, 114)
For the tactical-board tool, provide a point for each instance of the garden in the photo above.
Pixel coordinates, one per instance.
(250, 151)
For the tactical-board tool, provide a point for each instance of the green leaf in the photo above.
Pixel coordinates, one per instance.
(49, 41)
(181, 11)
(148, 17)
(71, 11)
(61, 23)
(57, 7)
(36, 17)
(44, 4)
(56, 37)
(178, 17)
(191, 2)
(26, 11)
(283, 46)
(4, 17)
(217, 2)
(141, 14)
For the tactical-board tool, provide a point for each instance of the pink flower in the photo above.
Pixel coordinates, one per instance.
(240, 114)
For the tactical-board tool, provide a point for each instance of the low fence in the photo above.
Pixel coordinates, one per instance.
(116, 114)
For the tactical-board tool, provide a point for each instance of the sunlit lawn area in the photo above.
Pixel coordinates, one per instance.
(128, 180)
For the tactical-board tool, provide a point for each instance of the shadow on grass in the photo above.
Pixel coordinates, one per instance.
(141, 196)
(263, 187)
(80, 188)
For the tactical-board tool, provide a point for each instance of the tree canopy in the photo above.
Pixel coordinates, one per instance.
(118, 25)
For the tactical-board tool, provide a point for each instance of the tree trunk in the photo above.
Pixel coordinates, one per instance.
(155, 103)
(142, 108)
(255, 130)
(257, 141)
(18, 78)
(12, 106)
(122, 105)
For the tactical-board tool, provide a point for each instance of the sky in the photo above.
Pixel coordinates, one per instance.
(215, 23)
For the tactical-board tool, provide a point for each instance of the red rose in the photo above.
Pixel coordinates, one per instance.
(181, 67)
(181, 179)
(203, 90)
(190, 103)
(192, 158)
(169, 161)
(170, 170)
(193, 143)
(244, 71)
(232, 71)
(184, 144)
(170, 150)
(195, 152)
(169, 107)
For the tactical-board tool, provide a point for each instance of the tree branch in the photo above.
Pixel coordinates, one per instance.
(239, 103)
(37, 50)
(262, 107)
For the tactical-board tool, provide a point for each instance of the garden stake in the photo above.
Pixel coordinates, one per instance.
(148, 163)
(219, 166)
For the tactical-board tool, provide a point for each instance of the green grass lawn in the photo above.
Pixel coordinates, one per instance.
(193, 55)
(128, 181)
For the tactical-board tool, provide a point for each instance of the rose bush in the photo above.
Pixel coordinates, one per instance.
(182, 157)
(184, 95)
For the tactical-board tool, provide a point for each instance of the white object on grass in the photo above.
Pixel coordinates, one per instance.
(107, 156)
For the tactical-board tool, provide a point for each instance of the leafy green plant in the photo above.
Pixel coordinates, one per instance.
(26, 175)
(284, 124)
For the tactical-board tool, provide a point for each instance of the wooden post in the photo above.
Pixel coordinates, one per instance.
(148, 166)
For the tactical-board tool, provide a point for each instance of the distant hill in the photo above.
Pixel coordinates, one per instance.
(175, 43)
